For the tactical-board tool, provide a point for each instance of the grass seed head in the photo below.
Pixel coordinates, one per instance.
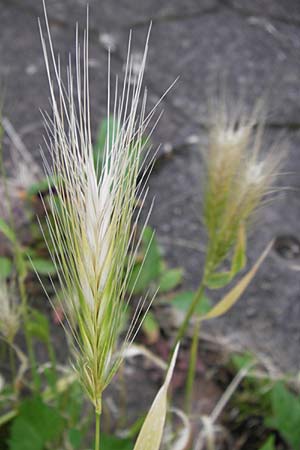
(91, 218)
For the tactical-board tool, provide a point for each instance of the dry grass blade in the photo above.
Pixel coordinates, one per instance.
(235, 293)
(151, 433)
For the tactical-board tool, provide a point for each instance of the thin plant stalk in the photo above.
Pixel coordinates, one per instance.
(21, 273)
(97, 430)
(28, 338)
(12, 362)
(183, 328)
(192, 366)
(52, 357)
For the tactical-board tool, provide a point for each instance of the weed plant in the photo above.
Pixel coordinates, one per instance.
(95, 195)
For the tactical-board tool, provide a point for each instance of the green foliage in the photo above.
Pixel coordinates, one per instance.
(41, 186)
(107, 126)
(7, 231)
(240, 361)
(285, 417)
(170, 279)
(152, 272)
(109, 442)
(146, 271)
(75, 438)
(183, 300)
(42, 266)
(269, 444)
(38, 326)
(36, 425)
(150, 328)
(218, 280)
(5, 267)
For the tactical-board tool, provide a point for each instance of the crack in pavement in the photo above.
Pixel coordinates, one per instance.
(94, 38)
(177, 17)
(245, 12)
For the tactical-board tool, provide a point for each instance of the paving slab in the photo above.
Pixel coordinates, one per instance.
(285, 11)
(110, 15)
(254, 61)
(23, 74)
(197, 41)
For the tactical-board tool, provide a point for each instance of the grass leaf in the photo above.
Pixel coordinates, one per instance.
(170, 279)
(42, 266)
(38, 326)
(218, 280)
(285, 414)
(107, 127)
(235, 293)
(269, 444)
(109, 442)
(151, 433)
(7, 231)
(143, 274)
(183, 300)
(239, 256)
(36, 425)
(5, 267)
(150, 327)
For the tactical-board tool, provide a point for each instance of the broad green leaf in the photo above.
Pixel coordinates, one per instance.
(41, 186)
(74, 437)
(38, 326)
(5, 267)
(42, 266)
(25, 436)
(151, 433)
(218, 280)
(7, 231)
(183, 300)
(269, 444)
(239, 256)
(235, 293)
(144, 273)
(150, 327)
(243, 360)
(107, 126)
(170, 279)
(285, 414)
(113, 443)
(36, 425)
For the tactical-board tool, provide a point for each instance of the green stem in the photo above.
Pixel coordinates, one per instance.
(182, 330)
(192, 367)
(28, 338)
(12, 362)
(21, 274)
(97, 430)
(123, 397)
(52, 357)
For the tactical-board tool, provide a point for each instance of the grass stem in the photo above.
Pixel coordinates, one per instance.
(182, 330)
(28, 338)
(97, 430)
(192, 367)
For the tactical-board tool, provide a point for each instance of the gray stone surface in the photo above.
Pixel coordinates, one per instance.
(287, 10)
(256, 45)
(110, 15)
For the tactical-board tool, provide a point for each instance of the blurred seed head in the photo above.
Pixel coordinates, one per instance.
(239, 174)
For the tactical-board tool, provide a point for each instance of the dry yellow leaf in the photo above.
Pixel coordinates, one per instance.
(152, 430)
(232, 297)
